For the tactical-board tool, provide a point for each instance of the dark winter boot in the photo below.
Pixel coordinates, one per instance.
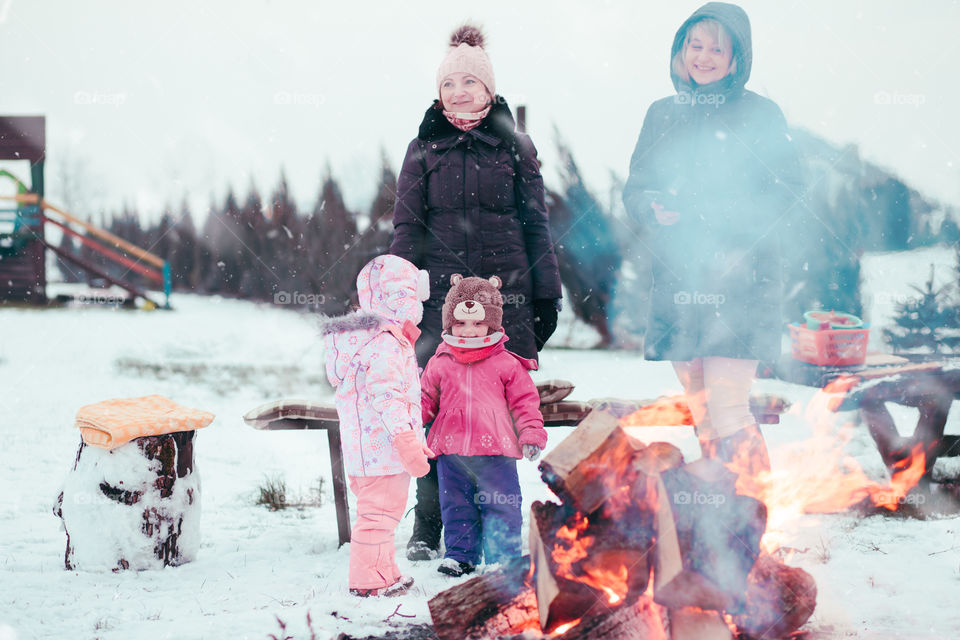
(455, 568)
(424, 544)
(745, 451)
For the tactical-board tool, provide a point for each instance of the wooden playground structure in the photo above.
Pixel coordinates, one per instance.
(23, 241)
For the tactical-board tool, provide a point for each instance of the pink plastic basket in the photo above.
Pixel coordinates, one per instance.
(836, 347)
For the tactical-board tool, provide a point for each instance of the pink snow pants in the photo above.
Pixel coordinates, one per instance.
(380, 504)
(718, 391)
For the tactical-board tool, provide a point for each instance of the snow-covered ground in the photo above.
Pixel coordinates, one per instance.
(878, 576)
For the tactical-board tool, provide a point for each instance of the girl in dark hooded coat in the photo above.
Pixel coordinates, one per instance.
(715, 177)
(470, 200)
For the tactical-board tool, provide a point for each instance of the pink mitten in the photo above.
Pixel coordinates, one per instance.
(413, 455)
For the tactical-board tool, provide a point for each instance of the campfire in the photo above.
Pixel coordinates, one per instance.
(645, 545)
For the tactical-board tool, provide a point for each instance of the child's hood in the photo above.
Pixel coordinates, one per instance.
(737, 24)
(389, 286)
(389, 290)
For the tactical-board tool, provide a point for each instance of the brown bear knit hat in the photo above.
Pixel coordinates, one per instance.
(467, 55)
(474, 298)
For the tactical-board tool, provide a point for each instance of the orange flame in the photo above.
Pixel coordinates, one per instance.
(570, 546)
(905, 476)
(666, 411)
(562, 629)
(817, 476)
(612, 581)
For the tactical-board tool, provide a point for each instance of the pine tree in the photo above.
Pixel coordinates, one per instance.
(257, 279)
(184, 258)
(283, 243)
(223, 231)
(378, 235)
(587, 250)
(331, 238)
(928, 323)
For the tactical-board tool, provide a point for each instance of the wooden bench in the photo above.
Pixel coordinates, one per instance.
(296, 414)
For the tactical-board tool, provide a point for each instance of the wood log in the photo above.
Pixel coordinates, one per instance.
(708, 538)
(133, 507)
(780, 600)
(586, 467)
(560, 599)
(495, 604)
(691, 623)
(642, 620)
(584, 563)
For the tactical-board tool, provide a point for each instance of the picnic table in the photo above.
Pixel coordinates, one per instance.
(930, 386)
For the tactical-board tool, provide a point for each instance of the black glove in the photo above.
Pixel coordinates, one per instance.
(544, 320)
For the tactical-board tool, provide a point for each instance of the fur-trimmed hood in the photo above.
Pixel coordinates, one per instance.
(345, 336)
(389, 290)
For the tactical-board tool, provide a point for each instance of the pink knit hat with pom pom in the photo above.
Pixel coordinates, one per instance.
(466, 55)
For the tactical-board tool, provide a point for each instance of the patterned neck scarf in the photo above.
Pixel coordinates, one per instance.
(466, 121)
(467, 350)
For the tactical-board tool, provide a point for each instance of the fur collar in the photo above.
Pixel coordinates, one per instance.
(498, 124)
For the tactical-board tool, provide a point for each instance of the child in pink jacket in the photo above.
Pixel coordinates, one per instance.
(372, 365)
(486, 414)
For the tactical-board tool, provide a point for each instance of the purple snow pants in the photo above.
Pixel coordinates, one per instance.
(480, 506)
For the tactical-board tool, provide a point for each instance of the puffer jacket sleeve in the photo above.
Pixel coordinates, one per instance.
(430, 391)
(331, 352)
(385, 385)
(410, 211)
(524, 403)
(643, 169)
(533, 218)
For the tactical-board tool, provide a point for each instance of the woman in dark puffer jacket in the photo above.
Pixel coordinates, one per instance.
(715, 177)
(470, 200)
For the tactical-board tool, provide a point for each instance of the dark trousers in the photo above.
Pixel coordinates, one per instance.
(427, 523)
(480, 502)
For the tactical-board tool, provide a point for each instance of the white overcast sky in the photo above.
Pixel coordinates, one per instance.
(148, 101)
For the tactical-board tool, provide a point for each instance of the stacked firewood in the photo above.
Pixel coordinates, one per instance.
(641, 545)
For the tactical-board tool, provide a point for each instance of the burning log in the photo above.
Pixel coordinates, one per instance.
(708, 538)
(495, 604)
(584, 563)
(631, 511)
(560, 600)
(584, 469)
(644, 620)
(780, 599)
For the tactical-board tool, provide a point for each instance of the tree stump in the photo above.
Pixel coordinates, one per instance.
(133, 507)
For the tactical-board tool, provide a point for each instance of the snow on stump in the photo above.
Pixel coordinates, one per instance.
(132, 499)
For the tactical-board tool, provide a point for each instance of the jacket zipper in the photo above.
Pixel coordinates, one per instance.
(469, 425)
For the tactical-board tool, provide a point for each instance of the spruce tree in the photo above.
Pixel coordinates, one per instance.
(331, 238)
(927, 323)
(223, 230)
(378, 235)
(283, 243)
(585, 243)
(184, 259)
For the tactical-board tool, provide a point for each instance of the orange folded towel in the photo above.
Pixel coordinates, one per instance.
(112, 423)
